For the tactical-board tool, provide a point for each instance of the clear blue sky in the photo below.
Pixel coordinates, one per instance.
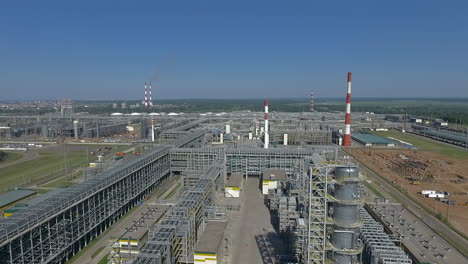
(232, 49)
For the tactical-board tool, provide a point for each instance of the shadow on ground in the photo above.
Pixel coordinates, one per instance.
(272, 248)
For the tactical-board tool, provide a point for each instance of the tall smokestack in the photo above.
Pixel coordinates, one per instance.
(267, 136)
(312, 101)
(150, 97)
(347, 133)
(146, 96)
(152, 128)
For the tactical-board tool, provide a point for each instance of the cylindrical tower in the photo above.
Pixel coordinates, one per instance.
(152, 128)
(257, 127)
(267, 136)
(75, 129)
(150, 96)
(146, 96)
(347, 199)
(312, 101)
(347, 133)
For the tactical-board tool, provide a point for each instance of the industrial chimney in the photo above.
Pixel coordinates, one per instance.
(150, 96)
(312, 101)
(267, 136)
(347, 132)
(146, 96)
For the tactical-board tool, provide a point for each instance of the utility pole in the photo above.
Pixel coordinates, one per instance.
(65, 159)
(448, 208)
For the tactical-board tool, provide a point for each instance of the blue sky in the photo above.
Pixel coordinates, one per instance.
(232, 49)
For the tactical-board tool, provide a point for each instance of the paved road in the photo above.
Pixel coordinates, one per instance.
(429, 220)
(254, 239)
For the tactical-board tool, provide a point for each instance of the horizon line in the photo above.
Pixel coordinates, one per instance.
(252, 98)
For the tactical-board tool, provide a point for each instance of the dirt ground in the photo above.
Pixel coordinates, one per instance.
(415, 171)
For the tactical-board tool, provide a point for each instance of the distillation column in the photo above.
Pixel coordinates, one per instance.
(346, 223)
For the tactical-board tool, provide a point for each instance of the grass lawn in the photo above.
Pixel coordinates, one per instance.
(63, 181)
(42, 152)
(50, 162)
(103, 260)
(11, 156)
(37, 168)
(425, 144)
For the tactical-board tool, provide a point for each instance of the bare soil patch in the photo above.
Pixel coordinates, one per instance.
(414, 171)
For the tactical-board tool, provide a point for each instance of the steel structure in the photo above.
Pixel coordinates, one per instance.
(58, 227)
(322, 212)
(244, 160)
(379, 247)
(317, 214)
(304, 137)
(456, 138)
(176, 234)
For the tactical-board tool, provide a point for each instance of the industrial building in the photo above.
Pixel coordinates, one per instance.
(271, 179)
(234, 185)
(453, 137)
(373, 140)
(12, 197)
(210, 247)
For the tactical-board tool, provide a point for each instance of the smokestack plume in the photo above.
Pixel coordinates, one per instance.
(267, 136)
(150, 96)
(347, 133)
(146, 96)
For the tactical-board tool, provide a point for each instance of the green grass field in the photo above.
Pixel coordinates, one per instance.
(63, 181)
(42, 152)
(426, 144)
(104, 260)
(37, 168)
(51, 162)
(11, 156)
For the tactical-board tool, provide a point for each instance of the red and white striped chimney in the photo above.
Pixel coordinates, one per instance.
(150, 97)
(347, 133)
(267, 136)
(146, 96)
